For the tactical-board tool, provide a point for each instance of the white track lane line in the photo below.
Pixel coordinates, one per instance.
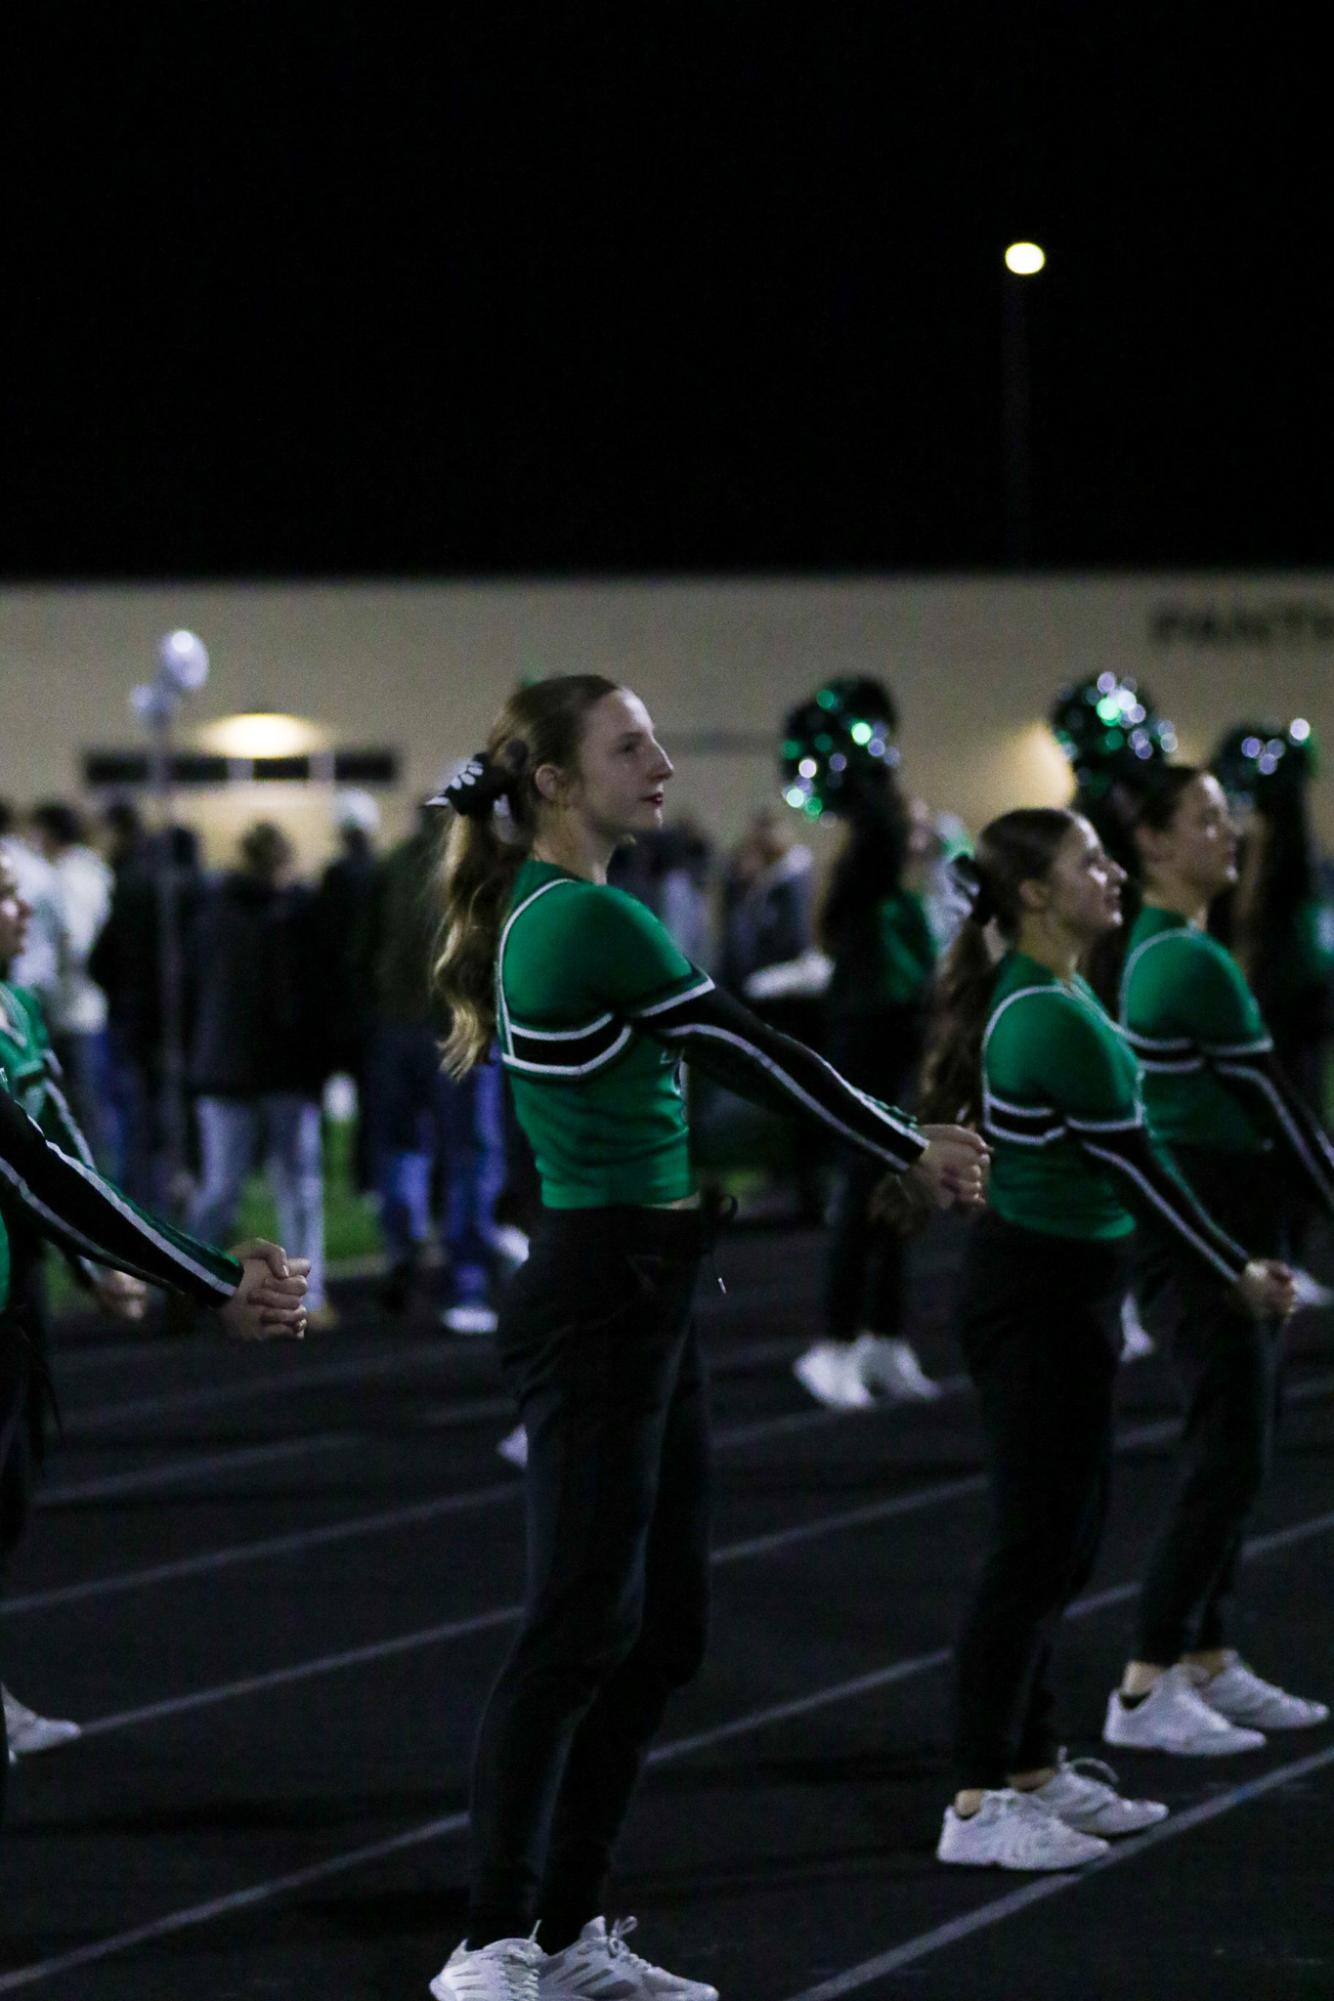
(462, 1628)
(387, 1519)
(496, 1409)
(297, 1372)
(916, 1949)
(200, 1465)
(192, 1915)
(293, 1375)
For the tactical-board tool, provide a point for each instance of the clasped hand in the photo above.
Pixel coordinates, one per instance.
(266, 1305)
(952, 1170)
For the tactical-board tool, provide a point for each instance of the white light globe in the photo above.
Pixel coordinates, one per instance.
(182, 660)
(1025, 259)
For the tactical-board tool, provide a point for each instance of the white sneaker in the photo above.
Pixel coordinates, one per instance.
(600, 1966)
(1308, 1291)
(1083, 1794)
(831, 1372)
(514, 1447)
(1012, 1830)
(510, 1245)
(505, 1970)
(28, 1732)
(1174, 1717)
(1136, 1340)
(472, 1317)
(1239, 1694)
(889, 1364)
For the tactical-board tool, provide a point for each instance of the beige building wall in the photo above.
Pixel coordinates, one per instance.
(421, 669)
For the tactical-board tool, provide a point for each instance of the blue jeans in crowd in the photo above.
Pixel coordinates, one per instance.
(230, 1134)
(85, 1060)
(135, 1160)
(424, 1120)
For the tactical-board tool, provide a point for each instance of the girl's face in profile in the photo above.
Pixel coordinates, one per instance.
(1083, 885)
(1200, 845)
(620, 783)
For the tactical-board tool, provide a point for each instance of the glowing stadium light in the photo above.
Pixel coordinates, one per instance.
(262, 733)
(1025, 260)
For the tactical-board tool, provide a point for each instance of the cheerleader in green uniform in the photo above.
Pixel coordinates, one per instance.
(50, 1191)
(593, 1008)
(1244, 1139)
(1025, 1046)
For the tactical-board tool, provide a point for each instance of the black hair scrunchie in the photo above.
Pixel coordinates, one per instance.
(975, 889)
(477, 785)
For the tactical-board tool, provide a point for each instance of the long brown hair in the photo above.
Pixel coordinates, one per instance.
(482, 855)
(1017, 848)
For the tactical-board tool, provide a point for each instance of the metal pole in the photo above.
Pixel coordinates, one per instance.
(1015, 404)
(170, 966)
(182, 669)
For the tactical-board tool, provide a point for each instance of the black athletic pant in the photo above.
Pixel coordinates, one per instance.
(1041, 1334)
(1227, 1368)
(865, 1263)
(598, 1344)
(15, 1378)
(22, 1462)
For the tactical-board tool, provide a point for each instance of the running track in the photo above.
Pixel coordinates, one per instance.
(275, 1585)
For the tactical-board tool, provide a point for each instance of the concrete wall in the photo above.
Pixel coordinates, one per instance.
(421, 668)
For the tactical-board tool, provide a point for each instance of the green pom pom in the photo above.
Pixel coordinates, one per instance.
(842, 738)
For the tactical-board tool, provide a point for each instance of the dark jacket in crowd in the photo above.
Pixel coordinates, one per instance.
(768, 918)
(402, 936)
(125, 961)
(346, 915)
(257, 1003)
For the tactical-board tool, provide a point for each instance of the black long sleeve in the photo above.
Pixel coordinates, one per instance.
(1151, 1188)
(733, 1045)
(60, 1126)
(62, 1199)
(1254, 1074)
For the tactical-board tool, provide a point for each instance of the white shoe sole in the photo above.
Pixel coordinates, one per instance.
(1263, 1729)
(1052, 1868)
(1116, 1833)
(1202, 1747)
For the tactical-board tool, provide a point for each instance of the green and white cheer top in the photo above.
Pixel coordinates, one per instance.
(1210, 1076)
(596, 1007)
(50, 1188)
(1063, 1113)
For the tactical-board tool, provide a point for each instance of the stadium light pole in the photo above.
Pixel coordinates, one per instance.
(1023, 262)
(182, 669)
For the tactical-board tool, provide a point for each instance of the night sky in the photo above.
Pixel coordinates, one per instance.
(343, 290)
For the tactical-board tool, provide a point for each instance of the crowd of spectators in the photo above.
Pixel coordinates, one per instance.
(288, 982)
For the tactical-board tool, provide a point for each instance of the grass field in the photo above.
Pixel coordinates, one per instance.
(350, 1226)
